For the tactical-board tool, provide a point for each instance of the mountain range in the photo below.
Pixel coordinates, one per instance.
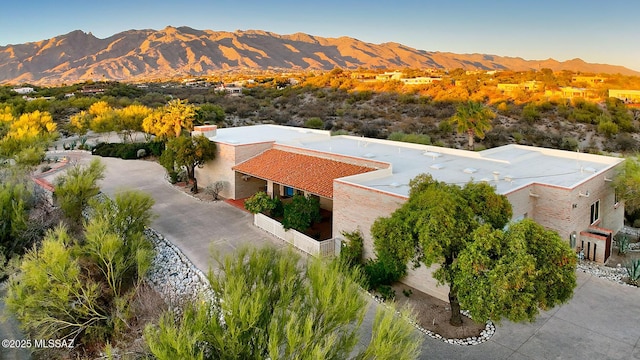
(146, 54)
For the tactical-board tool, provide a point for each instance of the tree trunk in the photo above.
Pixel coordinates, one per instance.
(470, 135)
(191, 174)
(456, 317)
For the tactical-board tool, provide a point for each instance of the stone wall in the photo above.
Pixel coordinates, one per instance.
(173, 275)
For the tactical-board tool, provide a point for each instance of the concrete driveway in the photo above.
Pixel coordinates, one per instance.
(602, 321)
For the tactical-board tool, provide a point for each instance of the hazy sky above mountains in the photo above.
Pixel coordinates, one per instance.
(596, 31)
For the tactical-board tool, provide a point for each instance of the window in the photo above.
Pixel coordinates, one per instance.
(288, 191)
(595, 212)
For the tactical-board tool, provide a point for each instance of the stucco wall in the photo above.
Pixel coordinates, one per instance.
(220, 169)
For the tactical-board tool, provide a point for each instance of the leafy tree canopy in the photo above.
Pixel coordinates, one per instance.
(455, 227)
(189, 153)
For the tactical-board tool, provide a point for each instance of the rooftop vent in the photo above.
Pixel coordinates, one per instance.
(369, 155)
(508, 178)
(470, 170)
(394, 184)
(437, 166)
(232, 141)
(589, 169)
(432, 154)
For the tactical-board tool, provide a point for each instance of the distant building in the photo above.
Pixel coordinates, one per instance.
(229, 89)
(628, 96)
(590, 80)
(91, 90)
(568, 92)
(526, 86)
(391, 75)
(24, 90)
(423, 80)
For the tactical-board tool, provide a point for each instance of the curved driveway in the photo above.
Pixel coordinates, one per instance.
(602, 321)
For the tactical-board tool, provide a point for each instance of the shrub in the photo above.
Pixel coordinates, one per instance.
(352, 249)
(259, 202)
(387, 293)
(128, 150)
(278, 208)
(530, 113)
(301, 212)
(385, 270)
(410, 138)
(314, 123)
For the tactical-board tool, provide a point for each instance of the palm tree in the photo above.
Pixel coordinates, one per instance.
(473, 118)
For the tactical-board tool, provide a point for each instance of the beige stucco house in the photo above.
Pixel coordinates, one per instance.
(360, 179)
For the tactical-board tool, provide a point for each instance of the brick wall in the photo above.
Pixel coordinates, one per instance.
(355, 208)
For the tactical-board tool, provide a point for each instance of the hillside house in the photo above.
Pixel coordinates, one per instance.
(360, 179)
(589, 80)
(24, 90)
(422, 80)
(525, 86)
(628, 96)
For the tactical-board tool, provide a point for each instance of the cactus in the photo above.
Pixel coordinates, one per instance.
(623, 245)
(633, 269)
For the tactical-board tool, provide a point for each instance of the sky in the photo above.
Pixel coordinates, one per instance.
(597, 31)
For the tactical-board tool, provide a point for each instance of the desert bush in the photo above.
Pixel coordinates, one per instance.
(259, 202)
(410, 138)
(352, 249)
(128, 150)
(272, 305)
(530, 113)
(301, 212)
(314, 123)
(214, 189)
(384, 270)
(82, 288)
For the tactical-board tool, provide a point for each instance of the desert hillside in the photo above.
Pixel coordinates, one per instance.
(144, 54)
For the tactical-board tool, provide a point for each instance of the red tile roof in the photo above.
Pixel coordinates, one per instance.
(304, 172)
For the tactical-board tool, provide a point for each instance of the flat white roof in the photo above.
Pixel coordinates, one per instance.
(514, 166)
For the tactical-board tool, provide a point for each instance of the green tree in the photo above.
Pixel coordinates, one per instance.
(74, 189)
(472, 118)
(442, 223)
(129, 120)
(171, 120)
(189, 153)
(301, 212)
(627, 184)
(269, 305)
(209, 114)
(514, 273)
